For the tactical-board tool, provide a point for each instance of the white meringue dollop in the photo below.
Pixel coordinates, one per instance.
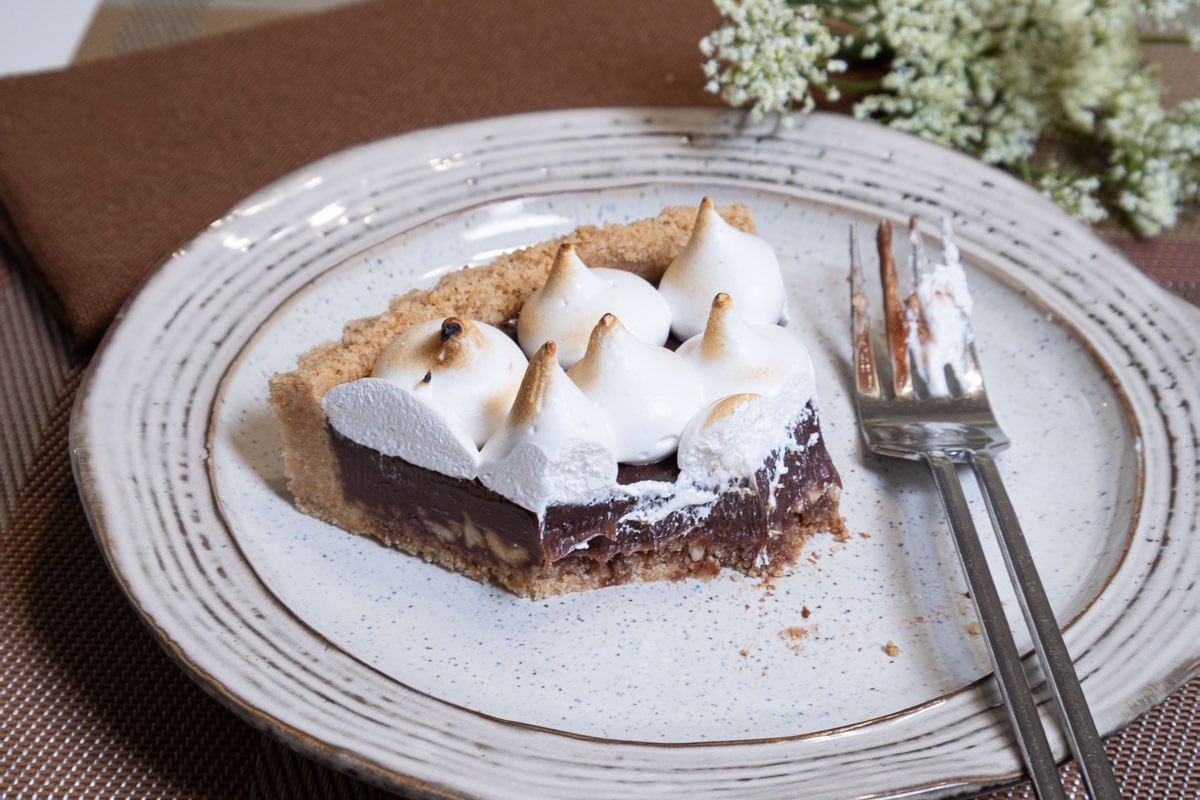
(647, 393)
(717, 258)
(555, 446)
(574, 296)
(468, 371)
(734, 357)
(380, 415)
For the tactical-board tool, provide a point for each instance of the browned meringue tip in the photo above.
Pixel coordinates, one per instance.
(456, 338)
(713, 340)
(728, 406)
(564, 259)
(704, 215)
(564, 253)
(453, 326)
(534, 384)
(606, 327)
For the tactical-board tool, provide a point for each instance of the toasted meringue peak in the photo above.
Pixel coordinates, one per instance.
(731, 438)
(567, 271)
(459, 337)
(716, 336)
(647, 393)
(453, 346)
(555, 445)
(574, 295)
(601, 332)
(465, 370)
(532, 393)
(734, 357)
(719, 258)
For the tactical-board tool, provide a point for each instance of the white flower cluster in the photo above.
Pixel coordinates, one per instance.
(1076, 195)
(770, 54)
(1006, 81)
(1177, 15)
(1154, 154)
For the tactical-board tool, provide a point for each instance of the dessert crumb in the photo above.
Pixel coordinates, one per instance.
(792, 635)
(891, 649)
(973, 628)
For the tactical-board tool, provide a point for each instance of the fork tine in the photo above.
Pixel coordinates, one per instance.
(971, 380)
(895, 318)
(918, 259)
(950, 254)
(865, 379)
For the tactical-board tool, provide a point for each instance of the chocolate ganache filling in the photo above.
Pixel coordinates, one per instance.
(789, 487)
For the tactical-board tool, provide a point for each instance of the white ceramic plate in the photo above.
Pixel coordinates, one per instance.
(414, 677)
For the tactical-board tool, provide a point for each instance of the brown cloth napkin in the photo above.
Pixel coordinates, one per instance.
(106, 168)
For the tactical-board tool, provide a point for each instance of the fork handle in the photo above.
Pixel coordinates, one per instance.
(1006, 660)
(1056, 661)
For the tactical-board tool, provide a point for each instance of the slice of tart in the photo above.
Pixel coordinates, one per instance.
(617, 405)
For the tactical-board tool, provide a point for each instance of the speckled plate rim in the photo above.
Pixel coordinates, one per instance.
(673, 121)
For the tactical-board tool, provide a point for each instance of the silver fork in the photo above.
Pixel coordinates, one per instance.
(943, 431)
